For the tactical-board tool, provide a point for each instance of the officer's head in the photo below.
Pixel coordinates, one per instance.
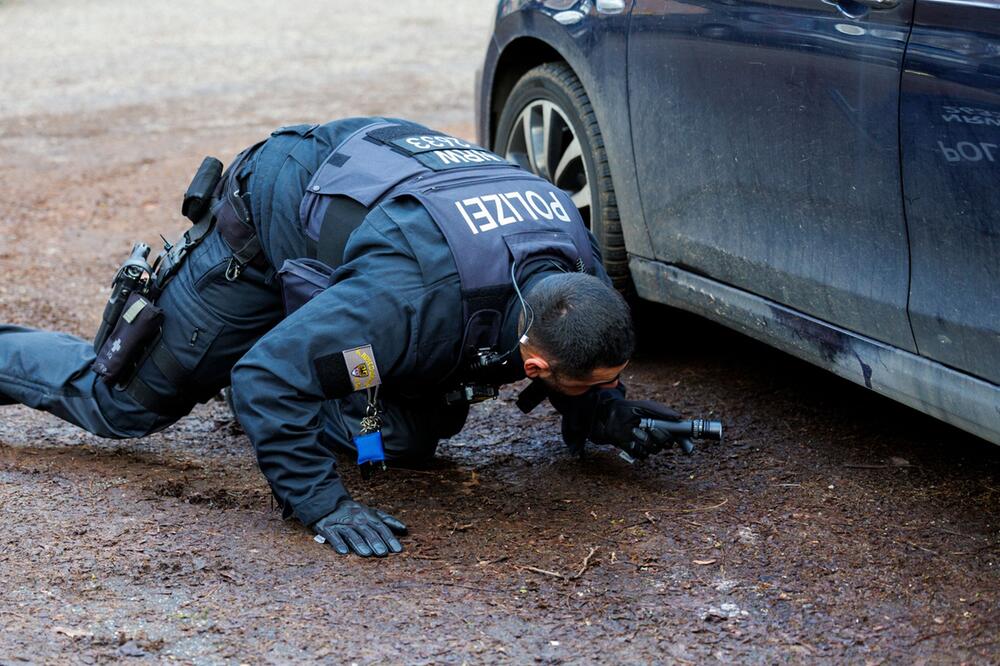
(580, 336)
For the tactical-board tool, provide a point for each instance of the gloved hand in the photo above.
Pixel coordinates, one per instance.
(366, 531)
(579, 413)
(617, 423)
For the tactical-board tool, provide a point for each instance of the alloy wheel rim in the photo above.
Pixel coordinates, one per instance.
(543, 142)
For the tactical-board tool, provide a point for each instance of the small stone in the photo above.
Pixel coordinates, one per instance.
(131, 649)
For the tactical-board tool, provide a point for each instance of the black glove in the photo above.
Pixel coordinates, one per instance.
(617, 423)
(366, 531)
(579, 413)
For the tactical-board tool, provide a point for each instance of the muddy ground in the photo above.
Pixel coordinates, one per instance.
(830, 526)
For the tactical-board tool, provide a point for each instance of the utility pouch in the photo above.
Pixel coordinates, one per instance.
(199, 193)
(138, 325)
(301, 281)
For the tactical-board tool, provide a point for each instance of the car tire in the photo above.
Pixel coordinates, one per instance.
(549, 101)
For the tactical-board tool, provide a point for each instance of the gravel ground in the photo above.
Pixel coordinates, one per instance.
(831, 526)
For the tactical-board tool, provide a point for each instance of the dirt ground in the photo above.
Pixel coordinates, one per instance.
(831, 525)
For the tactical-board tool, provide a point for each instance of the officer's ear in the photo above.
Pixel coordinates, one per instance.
(535, 366)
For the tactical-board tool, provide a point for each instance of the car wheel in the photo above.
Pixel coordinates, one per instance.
(548, 127)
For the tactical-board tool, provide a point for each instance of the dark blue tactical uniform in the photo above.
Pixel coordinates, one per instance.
(397, 290)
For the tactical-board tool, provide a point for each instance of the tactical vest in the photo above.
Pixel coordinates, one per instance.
(485, 207)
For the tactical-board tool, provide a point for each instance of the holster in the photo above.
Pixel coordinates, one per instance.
(138, 325)
(134, 324)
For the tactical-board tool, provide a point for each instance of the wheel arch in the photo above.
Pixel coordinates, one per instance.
(517, 58)
(518, 47)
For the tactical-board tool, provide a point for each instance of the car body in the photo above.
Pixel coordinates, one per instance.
(821, 175)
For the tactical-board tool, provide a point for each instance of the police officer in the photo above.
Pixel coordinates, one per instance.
(359, 283)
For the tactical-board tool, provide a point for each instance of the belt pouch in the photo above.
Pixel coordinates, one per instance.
(139, 323)
(199, 192)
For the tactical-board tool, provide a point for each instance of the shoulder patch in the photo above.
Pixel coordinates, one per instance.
(361, 368)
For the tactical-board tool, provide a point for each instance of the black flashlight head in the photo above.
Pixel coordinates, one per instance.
(702, 429)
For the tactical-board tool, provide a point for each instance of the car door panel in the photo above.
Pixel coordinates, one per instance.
(766, 142)
(951, 172)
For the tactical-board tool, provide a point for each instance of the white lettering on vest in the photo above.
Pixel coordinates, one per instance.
(481, 213)
(511, 206)
(497, 202)
(461, 209)
(491, 211)
(542, 208)
(429, 142)
(558, 208)
(524, 204)
(465, 156)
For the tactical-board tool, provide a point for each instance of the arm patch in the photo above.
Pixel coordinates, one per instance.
(333, 375)
(350, 370)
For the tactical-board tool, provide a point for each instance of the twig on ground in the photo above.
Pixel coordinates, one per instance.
(917, 545)
(586, 563)
(200, 598)
(460, 528)
(706, 508)
(502, 558)
(694, 510)
(554, 574)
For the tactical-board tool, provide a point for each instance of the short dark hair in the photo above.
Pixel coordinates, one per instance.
(580, 324)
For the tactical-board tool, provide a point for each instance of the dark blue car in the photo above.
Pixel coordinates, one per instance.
(823, 175)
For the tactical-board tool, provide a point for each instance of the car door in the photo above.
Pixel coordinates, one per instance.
(767, 150)
(951, 173)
